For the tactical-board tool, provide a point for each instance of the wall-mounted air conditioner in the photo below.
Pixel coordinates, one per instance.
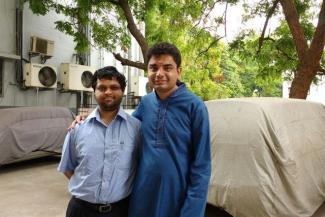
(40, 75)
(41, 46)
(76, 77)
(140, 85)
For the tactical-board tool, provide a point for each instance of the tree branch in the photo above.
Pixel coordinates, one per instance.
(270, 13)
(208, 48)
(133, 27)
(292, 18)
(318, 42)
(127, 62)
(279, 49)
(321, 71)
(205, 15)
(114, 2)
(225, 18)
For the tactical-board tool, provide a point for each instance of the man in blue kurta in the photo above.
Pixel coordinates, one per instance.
(174, 165)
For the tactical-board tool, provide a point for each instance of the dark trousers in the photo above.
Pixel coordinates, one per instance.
(78, 208)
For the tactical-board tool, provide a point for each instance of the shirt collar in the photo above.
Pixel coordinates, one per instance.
(95, 114)
(181, 89)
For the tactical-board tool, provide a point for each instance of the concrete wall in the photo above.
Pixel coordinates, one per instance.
(44, 27)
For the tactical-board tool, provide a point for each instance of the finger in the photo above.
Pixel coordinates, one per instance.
(73, 124)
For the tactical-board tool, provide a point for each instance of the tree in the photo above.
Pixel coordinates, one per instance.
(111, 21)
(307, 40)
(258, 73)
(309, 56)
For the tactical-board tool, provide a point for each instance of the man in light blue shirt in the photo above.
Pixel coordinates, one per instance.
(99, 156)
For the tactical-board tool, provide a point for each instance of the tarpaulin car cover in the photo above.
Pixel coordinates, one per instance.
(24, 130)
(268, 156)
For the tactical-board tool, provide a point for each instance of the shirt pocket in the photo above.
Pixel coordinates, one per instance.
(126, 155)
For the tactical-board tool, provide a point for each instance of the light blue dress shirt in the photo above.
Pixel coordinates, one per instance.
(102, 157)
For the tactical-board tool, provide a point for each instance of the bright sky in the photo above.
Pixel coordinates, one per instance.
(234, 20)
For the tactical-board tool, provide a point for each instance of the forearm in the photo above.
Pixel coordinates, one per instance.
(68, 174)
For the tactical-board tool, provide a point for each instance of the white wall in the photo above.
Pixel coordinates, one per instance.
(7, 24)
(102, 58)
(44, 27)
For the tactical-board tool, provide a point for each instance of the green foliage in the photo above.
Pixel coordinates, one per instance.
(277, 59)
(201, 52)
(107, 31)
(210, 68)
(165, 21)
(260, 74)
(39, 7)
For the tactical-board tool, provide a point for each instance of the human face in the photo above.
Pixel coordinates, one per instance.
(163, 74)
(108, 94)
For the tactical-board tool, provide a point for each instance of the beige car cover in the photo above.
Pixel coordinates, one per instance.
(268, 156)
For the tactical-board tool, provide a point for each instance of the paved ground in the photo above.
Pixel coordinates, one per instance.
(35, 189)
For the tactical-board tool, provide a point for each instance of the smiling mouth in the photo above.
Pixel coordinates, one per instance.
(160, 82)
(108, 100)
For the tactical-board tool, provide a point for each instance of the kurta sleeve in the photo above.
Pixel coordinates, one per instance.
(138, 112)
(68, 159)
(200, 169)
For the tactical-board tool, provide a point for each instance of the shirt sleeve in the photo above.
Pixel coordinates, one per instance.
(200, 169)
(138, 112)
(68, 159)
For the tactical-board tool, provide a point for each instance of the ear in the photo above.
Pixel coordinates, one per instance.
(179, 72)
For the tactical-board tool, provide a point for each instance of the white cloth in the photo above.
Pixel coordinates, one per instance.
(268, 156)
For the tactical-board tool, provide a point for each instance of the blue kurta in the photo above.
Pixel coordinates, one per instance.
(174, 168)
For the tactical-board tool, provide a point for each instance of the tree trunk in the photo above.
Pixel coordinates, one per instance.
(301, 82)
(309, 57)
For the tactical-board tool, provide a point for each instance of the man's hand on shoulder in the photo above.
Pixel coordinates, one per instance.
(78, 120)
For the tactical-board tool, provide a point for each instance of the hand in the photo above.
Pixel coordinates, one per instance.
(78, 120)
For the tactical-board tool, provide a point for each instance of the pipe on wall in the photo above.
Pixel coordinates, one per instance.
(1, 78)
(19, 44)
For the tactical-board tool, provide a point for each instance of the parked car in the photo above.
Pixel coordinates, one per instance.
(29, 132)
(268, 157)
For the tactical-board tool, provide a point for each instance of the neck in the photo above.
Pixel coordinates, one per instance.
(164, 95)
(107, 116)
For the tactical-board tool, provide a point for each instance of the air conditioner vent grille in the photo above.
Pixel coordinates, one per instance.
(86, 77)
(47, 76)
(42, 46)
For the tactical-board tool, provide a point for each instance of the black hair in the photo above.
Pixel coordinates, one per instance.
(108, 72)
(163, 48)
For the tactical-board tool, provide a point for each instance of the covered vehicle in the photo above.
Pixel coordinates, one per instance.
(27, 132)
(268, 157)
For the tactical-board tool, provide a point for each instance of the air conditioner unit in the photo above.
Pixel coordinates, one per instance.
(42, 46)
(140, 85)
(40, 75)
(76, 77)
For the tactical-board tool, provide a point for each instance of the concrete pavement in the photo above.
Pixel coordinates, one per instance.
(34, 188)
